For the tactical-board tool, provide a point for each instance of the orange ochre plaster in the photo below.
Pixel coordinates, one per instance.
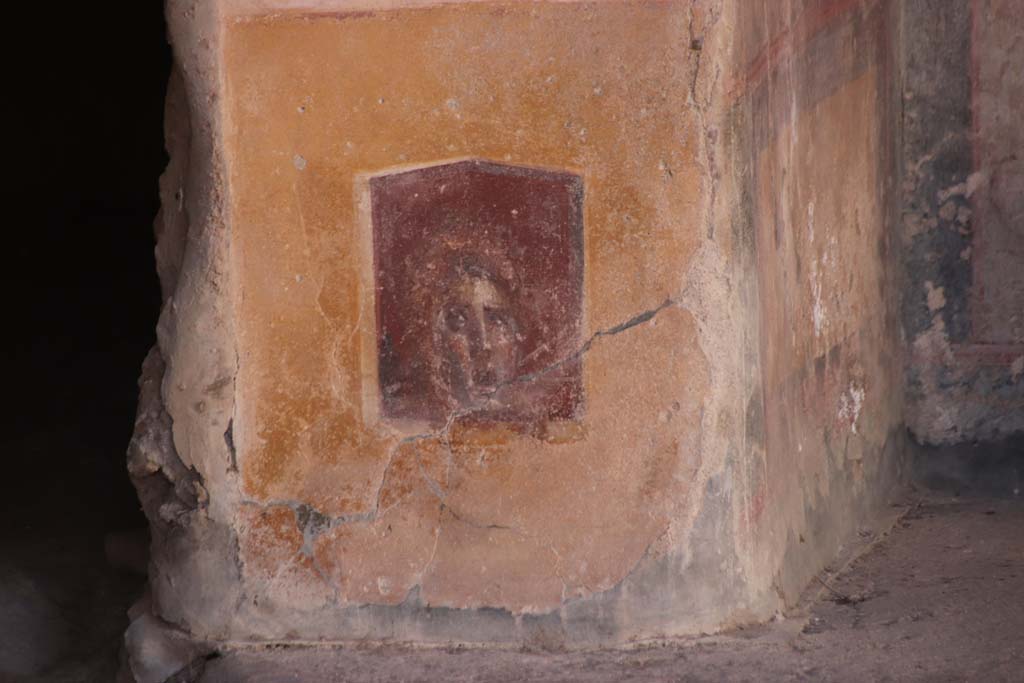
(471, 514)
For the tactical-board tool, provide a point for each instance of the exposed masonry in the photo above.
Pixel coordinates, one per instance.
(168, 487)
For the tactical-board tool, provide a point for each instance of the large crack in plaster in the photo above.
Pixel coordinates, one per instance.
(312, 523)
(701, 106)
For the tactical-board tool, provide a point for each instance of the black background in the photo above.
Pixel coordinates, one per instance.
(84, 153)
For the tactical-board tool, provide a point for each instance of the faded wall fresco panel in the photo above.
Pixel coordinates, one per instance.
(997, 187)
(820, 130)
(963, 215)
(478, 271)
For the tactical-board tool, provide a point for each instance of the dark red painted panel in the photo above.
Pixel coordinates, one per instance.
(478, 271)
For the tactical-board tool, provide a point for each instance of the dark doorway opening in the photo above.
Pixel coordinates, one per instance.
(82, 300)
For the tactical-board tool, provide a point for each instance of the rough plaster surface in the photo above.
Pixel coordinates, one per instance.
(936, 599)
(741, 412)
(962, 218)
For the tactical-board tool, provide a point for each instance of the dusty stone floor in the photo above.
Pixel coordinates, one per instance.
(939, 597)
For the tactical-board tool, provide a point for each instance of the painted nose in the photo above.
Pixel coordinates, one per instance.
(484, 331)
(482, 367)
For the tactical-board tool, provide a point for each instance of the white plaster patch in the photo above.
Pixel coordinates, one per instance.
(936, 296)
(964, 189)
(933, 343)
(818, 311)
(818, 307)
(958, 190)
(948, 211)
(850, 403)
(1017, 368)
(974, 181)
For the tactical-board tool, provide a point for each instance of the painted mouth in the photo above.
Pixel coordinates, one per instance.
(484, 391)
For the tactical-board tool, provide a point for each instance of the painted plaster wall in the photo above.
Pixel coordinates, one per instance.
(282, 508)
(819, 85)
(738, 336)
(464, 515)
(963, 218)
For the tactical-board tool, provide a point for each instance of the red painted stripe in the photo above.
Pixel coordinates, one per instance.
(792, 39)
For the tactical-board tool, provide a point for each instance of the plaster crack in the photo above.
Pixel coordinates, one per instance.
(477, 525)
(638, 319)
(700, 107)
(311, 522)
(433, 551)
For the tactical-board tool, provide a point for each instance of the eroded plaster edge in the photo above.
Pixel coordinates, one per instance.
(182, 456)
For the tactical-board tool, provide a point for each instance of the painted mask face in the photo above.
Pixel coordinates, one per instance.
(475, 339)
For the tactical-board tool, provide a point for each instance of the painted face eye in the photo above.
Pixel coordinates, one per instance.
(498, 319)
(455, 319)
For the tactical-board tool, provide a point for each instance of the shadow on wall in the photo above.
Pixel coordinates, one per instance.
(993, 469)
